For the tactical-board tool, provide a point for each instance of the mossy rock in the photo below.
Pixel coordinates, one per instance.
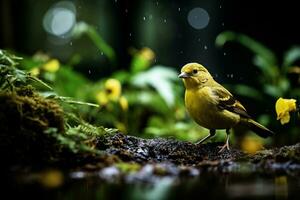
(25, 116)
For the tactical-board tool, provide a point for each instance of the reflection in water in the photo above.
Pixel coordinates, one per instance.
(281, 187)
(232, 186)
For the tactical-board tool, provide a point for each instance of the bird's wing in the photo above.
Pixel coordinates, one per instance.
(227, 101)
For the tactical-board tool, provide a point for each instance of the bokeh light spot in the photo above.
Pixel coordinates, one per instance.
(198, 18)
(60, 18)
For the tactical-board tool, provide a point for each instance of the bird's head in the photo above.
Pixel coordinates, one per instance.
(194, 75)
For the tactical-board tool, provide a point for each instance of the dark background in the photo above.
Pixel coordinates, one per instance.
(274, 23)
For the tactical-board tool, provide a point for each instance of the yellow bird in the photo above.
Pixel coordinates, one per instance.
(213, 106)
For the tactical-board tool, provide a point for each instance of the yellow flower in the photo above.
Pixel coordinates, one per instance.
(51, 66)
(101, 98)
(113, 89)
(112, 92)
(123, 103)
(147, 53)
(251, 144)
(34, 71)
(283, 108)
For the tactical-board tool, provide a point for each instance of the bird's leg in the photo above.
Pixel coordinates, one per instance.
(226, 145)
(212, 132)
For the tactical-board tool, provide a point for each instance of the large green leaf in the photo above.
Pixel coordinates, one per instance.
(161, 79)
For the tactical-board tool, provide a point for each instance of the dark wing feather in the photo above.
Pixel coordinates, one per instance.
(228, 102)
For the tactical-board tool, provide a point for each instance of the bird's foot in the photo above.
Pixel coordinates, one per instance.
(222, 148)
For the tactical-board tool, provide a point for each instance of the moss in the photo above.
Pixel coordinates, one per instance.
(25, 116)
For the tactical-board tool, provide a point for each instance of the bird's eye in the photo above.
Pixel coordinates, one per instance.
(195, 71)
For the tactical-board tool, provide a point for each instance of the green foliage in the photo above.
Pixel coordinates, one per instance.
(274, 80)
(82, 28)
(43, 130)
(12, 77)
(274, 77)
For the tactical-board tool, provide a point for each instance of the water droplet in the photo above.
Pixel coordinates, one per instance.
(165, 21)
(181, 52)
(220, 6)
(155, 60)
(150, 16)
(129, 34)
(231, 75)
(90, 71)
(224, 53)
(216, 75)
(179, 9)
(223, 24)
(71, 43)
(144, 18)
(126, 10)
(205, 47)
(199, 39)
(116, 1)
(157, 3)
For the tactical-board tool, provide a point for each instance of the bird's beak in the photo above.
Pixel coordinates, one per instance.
(183, 75)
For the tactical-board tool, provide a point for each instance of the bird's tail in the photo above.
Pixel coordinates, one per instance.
(258, 128)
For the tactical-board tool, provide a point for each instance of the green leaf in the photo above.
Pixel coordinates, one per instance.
(121, 75)
(247, 91)
(75, 80)
(273, 91)
(161, 79)
(224, 37)
(82, 28)
(139, 64)
(291, 56)
(271, 73)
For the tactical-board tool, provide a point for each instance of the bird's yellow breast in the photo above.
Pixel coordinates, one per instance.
(202, 106)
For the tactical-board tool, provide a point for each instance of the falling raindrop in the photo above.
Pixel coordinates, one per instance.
(231, 75)
(224, 53)
(181, 52)
(179, 9)
(223, 24)
(90, 71)
(150, 16)
(102, 53)
(220, 6)
(165, 21)
(157, 3)
(129, 34)
(71, 43)
(199, 39)
(205, 47)
(116, 1)
(144, 18)
(126, 10)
